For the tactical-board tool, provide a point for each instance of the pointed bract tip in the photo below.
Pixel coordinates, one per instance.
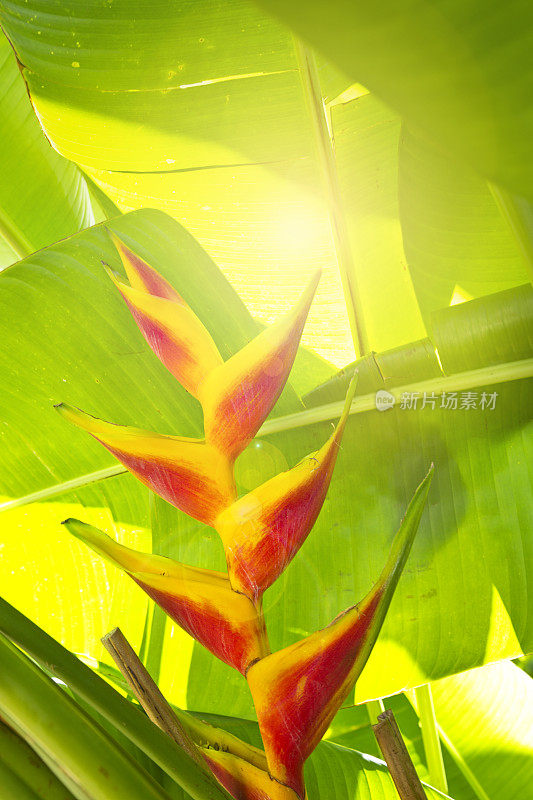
(116, 277)
(115, 238)
(75, 526)
(69, 412)
(311, 287)
(315, 277)
(428, 477)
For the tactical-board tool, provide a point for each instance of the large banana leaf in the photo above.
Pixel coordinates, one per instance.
(195, 108)
(457, 71)
(43, 197)
(457, 606)
(409, 203)
(496, 700)
(212, 126)
(457, 243)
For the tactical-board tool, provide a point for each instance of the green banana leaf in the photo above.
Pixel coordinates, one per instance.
(453, 610)
(497, 701)
(216, 132)
(43, 197)
(214, 136)
(446, 67)
(457, 243)
(352, 728)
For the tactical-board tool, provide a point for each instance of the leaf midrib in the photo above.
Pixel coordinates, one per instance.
(484, 376)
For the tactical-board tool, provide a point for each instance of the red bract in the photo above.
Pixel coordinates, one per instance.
(188, 473)
(239, 395)
(243, 780)
(201, 601)
(174, 333)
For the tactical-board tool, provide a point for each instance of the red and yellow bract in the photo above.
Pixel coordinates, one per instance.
(201, 601)
(263, 531)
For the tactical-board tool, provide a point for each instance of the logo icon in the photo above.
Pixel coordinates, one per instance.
(384, 400)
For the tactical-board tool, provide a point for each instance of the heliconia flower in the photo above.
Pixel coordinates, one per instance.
(238, 396)
(263, 531)
(190, 474)
(201, 601)
(243, 780)
(298, 690)
(171, 328)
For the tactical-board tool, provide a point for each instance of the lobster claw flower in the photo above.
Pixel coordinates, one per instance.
(188, 473)
(298, 690)
(200, 601)
(171, 328)
(245, 781)
(263, 531)
(238, 395)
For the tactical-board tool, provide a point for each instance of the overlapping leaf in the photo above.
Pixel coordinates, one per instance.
(446, 67)
(43, 197)
(229, 148)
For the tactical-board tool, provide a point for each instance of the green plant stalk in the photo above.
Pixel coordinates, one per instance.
(374, 709)
(430, 737)
(471, 379)
(14, 788)
(75, 745)
(160, 519)
(463, 767)
(328, 167)
(485, 376)
(119, 711)
(155, 640)
(14, 236)
(518, 213)
(23, 762)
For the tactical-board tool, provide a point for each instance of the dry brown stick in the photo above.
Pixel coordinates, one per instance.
(147, 692)
(397, 757)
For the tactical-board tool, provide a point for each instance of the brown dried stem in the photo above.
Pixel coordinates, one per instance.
(398, 760)
(147, 692)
